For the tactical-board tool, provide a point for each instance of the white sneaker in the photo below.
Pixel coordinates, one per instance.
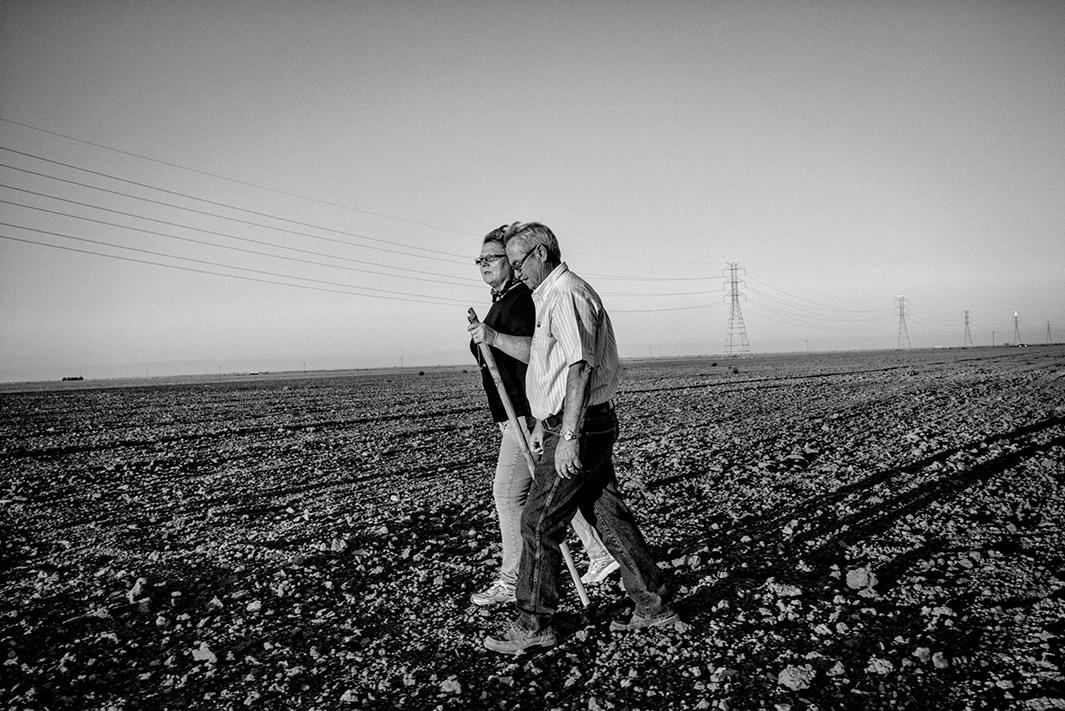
(599, 570)
(497, 593)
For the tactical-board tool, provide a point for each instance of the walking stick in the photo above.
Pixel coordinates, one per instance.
(523, 444)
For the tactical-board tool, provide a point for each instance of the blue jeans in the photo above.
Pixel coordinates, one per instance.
(594, 492)
(510, 488)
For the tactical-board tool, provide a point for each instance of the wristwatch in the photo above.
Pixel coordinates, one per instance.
(570, 435)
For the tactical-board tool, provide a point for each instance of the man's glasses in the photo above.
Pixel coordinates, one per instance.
(516, 266)
(487, 259)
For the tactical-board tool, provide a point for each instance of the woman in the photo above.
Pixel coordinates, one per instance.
(512, 312)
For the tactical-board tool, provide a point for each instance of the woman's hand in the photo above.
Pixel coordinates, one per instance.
(536, 439)
(482, 334)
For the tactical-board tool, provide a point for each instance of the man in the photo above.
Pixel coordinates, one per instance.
(571, 381)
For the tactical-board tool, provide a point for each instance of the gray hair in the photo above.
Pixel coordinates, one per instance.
(532, 234)
(497, 235)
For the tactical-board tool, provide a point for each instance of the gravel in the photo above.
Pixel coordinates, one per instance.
(859, 530)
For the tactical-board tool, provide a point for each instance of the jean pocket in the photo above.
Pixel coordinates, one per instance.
(602, 426)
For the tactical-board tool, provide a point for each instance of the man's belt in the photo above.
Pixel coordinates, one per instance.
(603, 408)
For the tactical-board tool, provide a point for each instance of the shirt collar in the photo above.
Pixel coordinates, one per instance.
(511, 284)
(551, 279)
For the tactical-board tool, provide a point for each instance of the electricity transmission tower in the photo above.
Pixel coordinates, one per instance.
(737, 344)
(1016, 329)
(967, 342)
(903, 332)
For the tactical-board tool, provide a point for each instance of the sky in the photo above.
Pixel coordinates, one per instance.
(204, 187)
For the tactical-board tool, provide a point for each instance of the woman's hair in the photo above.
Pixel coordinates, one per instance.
(532, 234)
(497, 235)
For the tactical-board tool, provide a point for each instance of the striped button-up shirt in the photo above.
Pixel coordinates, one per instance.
(571, 326)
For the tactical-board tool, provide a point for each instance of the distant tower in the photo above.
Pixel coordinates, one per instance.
(903, 332)
(737, 344)
(967, 342)
(1016, 329)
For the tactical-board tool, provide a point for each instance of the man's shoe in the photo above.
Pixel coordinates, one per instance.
(516, 640)
(496, 594)
(638, 622)
(599, 570)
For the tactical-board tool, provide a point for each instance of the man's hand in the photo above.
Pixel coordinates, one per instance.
(536, 440)
(482, 334)
(568, 458)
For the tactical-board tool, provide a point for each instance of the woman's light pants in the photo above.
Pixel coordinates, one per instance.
(511, 489)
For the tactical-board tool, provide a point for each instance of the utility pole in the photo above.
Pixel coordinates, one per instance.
(967, 342)
(737, 343)
(1016, 329)
(903, 331)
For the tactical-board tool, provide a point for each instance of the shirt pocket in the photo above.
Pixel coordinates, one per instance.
(543, 345)
(543, 342)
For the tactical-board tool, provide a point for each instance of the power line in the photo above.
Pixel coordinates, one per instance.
(264, 226)
(928, 321)
(223, 246)
(225, 266)
(233, 180)
(640, 260)
(630, 294)
(263, 243)
(453, 257)
(674, 308)
(413, 299)
(805, 322)
(617, 277)
(286, 193)
(319, 201)
(804, 311)
(817, 304)
(206, 213)
(786, 311)
(454, 282)
(433, 252)
(776, 317)
(227, 276)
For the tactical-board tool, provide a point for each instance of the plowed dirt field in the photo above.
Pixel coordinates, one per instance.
(842, 531)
